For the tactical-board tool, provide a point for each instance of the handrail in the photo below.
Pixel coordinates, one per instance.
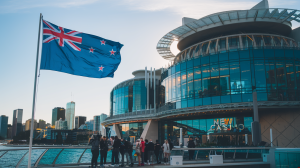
(81, 156)
(39, 159)
(21, 160)
(231, 148)
(3, 153)
(57, 157)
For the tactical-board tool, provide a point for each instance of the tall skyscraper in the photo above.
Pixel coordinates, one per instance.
(79, 120)
(3, 126)
(96, 123)
(28, 125)
(70, 114)
(102, 117)
(57, 113)
(9, 131)
(17, 122)
(42, 124)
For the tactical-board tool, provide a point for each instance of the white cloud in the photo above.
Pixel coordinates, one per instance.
(17, 5)
(189, 8)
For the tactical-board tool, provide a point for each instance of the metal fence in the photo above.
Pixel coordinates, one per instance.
(81, 155)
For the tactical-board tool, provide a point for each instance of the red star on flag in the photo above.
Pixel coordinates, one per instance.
(112, 52)
(101, 68)
(102, 42)
(91, 50)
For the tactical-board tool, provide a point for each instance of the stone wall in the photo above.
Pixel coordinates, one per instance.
(285, 124)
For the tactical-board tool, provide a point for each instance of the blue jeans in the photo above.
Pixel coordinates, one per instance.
(115, 156)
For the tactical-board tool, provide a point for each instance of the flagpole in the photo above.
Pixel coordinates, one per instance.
(34, 94)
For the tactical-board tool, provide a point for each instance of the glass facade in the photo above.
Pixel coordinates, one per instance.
(131, 96)
(227, 131)
(70, 115)
(228, 77)
(132, 130)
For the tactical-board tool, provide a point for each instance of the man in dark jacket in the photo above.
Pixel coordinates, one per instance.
(116, 150)
(191, 144)
(146, 151)
(103, 150)
(122, 151)
(95, 149)
(150, 151)
(157, 148)
(128, 151)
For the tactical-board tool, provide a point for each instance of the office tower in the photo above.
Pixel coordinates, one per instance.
(23, 127)
(57, 113)
(61, 125)
(17, 121)
(9, 131)
(42, 124)
(102, 117)
(3, 126)
(96, 123)
(28, 125)
(70, 114)
(79, 120)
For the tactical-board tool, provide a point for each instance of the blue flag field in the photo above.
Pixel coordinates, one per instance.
(78, 53)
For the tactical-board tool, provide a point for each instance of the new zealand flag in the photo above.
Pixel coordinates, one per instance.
(78, 53)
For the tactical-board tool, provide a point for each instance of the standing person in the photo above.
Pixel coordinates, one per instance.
(112, 139)
(167, 151)
(157, 148)
(103, 150)
(94, 141)
(128, 151)
(116, 151)
(146, 152)
(191, 144)
(142, 146)
(171, 143)
(122, 151)
(150, 151)
(138, 151)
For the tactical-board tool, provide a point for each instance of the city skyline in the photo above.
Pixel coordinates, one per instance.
(91, 95)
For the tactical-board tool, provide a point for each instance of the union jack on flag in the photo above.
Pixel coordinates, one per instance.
(78, 53)
(61, 36)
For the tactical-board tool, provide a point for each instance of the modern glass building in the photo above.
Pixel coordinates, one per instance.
(79, 120)
(3, 126)
(58, 113)
(70, 115)
(225, 60)
(17, 121)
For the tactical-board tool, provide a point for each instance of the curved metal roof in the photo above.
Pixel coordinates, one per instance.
(278, 15)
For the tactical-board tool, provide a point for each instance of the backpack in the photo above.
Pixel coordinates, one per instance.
(138, 149)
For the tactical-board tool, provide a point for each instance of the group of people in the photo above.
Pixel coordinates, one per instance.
(144, 150)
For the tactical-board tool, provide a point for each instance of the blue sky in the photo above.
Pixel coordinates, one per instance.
(137, 24)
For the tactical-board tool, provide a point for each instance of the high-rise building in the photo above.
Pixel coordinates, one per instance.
(79, 120)
(17, 121)
(61, 125)
(96, 123)
(9, 131)
(28, 125)
(3, 126)
(70, 114)
(102, 117)
(57, 113)
(42, 124)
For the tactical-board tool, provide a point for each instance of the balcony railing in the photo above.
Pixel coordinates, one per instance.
(81, 155)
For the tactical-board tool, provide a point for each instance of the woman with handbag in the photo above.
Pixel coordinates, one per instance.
(138, 151)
